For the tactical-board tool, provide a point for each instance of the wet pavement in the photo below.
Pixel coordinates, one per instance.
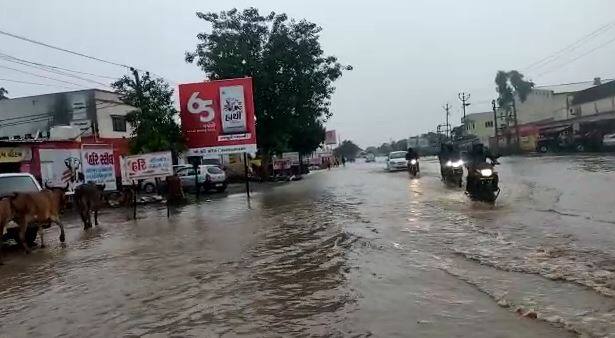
(354, 251)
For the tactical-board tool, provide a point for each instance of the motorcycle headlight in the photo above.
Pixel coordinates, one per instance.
(412, 161)
(486, 172)
(449, 164)
(457, 164)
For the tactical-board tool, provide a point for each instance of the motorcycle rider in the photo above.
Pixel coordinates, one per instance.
(447, 153)
(477, 156)
(411, 154)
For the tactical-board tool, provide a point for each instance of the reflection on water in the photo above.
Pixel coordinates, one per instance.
(276, 269)
(354, 251)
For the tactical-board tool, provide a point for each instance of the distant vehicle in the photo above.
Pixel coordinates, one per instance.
(209, 177)
(370, 157)
(18, 182)
(564, 139)
(608, 141)
(397, 161)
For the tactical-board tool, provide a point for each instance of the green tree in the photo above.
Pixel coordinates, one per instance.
(293, 78)
(510, 83)
(3, 93)
(347, 149)
(154, 122)
(385, 149)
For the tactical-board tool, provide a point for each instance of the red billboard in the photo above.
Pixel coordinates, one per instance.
(218, 117)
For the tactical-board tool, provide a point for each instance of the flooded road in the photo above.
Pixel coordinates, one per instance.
(354, 251)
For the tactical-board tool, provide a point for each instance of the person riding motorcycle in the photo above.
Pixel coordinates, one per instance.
(447, 153)
(411, 154)
(477, 156)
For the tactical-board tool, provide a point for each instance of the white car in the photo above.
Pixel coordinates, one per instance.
(209, 177)
(608, 141)
(397, 161)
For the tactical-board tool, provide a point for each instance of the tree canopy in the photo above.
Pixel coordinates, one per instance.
(510, 83)
(292, 76)
(153, 123)
(347, 149)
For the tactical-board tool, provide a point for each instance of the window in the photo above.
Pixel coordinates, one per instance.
(185, 172)
(119, 123)
(488, 124)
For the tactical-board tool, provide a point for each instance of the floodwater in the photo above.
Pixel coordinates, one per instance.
(354, 251)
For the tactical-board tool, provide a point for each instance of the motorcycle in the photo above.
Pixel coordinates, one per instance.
(483, 183)
(413, 167)
(452, 173)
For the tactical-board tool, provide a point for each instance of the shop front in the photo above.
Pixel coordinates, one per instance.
(14, 158)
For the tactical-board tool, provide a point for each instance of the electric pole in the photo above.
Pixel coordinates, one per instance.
(464, 98)
(447, 109)
(495, 124)
(514, 107)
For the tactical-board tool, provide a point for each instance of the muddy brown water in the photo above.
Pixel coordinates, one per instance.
(354, 251)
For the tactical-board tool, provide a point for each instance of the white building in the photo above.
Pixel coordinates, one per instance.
(480, 125)
(549, 103)
(33, 117)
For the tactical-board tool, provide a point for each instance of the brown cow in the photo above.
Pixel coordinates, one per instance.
(38, 208)
(89, 198)
(6, 215)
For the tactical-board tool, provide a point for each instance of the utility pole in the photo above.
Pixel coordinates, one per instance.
(447, 109)
(514, 107)
(495, 124)
(464, 98)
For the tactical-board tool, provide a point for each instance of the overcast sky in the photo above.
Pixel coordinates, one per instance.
(409, 57)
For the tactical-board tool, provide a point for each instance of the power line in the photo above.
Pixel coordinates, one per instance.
(572, 83)
(571, 47)
(24, 117)
(62, 49)
(42, 76)
(54, 71)
(35, 83)
(57, 67)
(46, 68)
(578, 57)
(73, 52)
(39, 119)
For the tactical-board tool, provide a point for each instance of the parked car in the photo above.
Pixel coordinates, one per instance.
(148, 185)
(397, 161)
(608, 141)
(209, 177)
(18, 182)
(564, 139)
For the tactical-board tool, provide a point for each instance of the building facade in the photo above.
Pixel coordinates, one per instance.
(34, 117)
(45, 135)
(480, 125)
(593, 101)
